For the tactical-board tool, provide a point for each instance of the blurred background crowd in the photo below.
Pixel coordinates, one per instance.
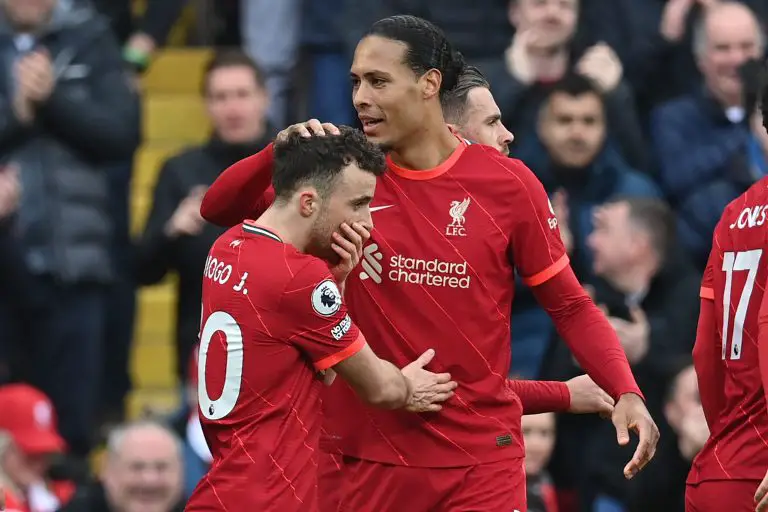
(639, 116)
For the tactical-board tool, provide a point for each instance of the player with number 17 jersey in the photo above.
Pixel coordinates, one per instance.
(272, 318)
(726, 357)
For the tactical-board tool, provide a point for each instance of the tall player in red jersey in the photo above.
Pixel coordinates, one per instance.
(454, 222)
(273, 317)
(731, 360)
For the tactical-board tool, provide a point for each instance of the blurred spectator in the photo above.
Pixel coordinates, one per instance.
(660, 64)
(545, 49)
(142, 473)
(28, 442)
(270, 32)
(68, 113)
(662, 487)
(582, 170)
(140, 37)
(650, 296)
(580, 164)
(701, 140)
(539, 437)
(176, 237)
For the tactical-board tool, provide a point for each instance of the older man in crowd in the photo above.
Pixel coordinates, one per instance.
(142, 472)
(704, 142)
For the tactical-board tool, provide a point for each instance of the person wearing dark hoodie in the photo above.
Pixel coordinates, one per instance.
(68, 113)
(580, 168)
(176, 238)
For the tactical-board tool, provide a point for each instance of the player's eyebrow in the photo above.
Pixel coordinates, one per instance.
(362, 200)
(368, 75)
(493, 118)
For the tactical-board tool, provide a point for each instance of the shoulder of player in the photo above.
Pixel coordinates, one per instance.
(312, 285)
(307, 271)
(499, 165)
(755, 195)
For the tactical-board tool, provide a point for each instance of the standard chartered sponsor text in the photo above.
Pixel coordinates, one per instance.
(428, 272)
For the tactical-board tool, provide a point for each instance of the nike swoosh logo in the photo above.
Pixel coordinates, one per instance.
(378, 208)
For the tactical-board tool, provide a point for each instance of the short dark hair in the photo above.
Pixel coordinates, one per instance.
(428, 48)
(320, 159)
(231, 58)
(574, 84)
(454, 102)
(656, 218)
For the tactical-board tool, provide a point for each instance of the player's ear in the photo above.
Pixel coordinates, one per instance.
(309, 202)
(430, 83)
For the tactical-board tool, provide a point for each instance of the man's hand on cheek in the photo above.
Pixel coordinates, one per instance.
(348, 244)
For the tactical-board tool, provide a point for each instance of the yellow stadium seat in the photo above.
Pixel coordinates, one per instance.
(175, 118)
(177, 71)
(140, 206)
(156, 313)
(153, 365)
(149, 161)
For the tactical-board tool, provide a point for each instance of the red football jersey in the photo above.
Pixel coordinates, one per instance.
(438, 273)
(271, 319)
(738, 444)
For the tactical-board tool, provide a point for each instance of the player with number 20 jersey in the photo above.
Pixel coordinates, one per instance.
(262, 415)
(734, 459)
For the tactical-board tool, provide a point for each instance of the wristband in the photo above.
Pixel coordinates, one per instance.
(137, 58)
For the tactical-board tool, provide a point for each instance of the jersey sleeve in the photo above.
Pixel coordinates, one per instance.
(537, 251)
(321, 326)
(707, 290)
(707, 281)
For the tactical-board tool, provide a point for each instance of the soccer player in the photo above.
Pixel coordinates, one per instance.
(731, 360)
(454, 222)
(273, 316)
(470, 109)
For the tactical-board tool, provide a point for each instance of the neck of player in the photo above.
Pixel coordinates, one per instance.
(427, 148)
(281, 221)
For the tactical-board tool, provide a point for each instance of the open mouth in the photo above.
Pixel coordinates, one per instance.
(370, 123)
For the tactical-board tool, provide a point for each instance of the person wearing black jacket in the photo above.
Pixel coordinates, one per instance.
(649, 290)
(176, 238)
(68, 113)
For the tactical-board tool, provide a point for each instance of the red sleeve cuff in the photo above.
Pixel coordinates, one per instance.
(332, 360)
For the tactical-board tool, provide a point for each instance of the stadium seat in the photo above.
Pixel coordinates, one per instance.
(140, 206)
(175, 118)
(149, 161)
(177, 71)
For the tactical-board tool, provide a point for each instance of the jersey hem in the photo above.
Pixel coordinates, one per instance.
(515, 453)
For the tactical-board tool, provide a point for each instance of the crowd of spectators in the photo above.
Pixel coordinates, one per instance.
(639, 117)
